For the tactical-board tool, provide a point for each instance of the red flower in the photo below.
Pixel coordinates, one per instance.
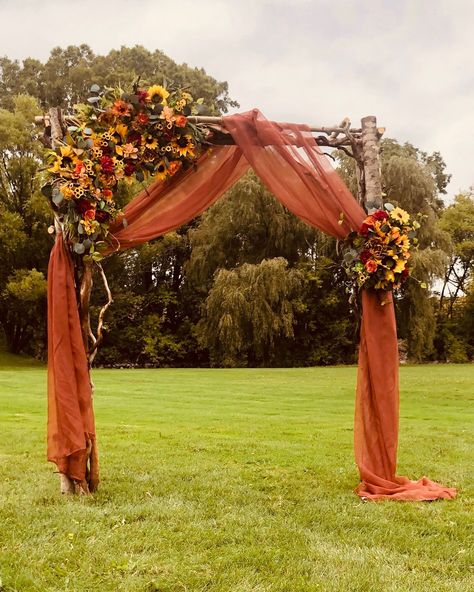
(129, 169)
(89, 214)
(380, 215)
(142, 118)
(107, 164)
(78, 169)
(365, 256)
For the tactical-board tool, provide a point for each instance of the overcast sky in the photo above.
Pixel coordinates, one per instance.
(409, 62)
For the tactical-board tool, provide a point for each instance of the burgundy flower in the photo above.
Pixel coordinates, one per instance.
(129, 169)
(83, 205)
(365, 256)
(107, 164)
(102, 216)
(142, 96)
(134, 138)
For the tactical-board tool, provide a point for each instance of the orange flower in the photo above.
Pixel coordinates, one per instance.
(371, 266)
(181, 121)
(107, 194)
(174, 167)
(121, 108)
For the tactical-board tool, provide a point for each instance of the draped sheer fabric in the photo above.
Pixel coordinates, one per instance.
(289, 162)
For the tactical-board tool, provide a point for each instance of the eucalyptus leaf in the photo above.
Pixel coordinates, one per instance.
(79, 248)
(57, 196)
(388, 206)
(93, 100)
(124, 222)
(80, 228)
(87, 243)
(87, 131)
(47, 190)
(95, 88)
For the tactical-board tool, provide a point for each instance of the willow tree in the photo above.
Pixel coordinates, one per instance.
(248, 309)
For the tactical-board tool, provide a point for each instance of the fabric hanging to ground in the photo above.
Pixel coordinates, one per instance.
(292, 166)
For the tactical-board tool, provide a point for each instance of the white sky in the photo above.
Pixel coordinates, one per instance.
(409, 62)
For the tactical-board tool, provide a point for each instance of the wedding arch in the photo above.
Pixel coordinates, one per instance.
(289, 161)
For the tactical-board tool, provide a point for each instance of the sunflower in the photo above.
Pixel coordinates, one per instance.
(184, 145)
(400, 215)
(64, 160)
(121, 130)
(67, 191)
(158, 94)
(160, 171)
(151, 142)
(400, 266)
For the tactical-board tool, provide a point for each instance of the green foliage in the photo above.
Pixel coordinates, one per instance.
(247, 309)
(24, 242)
(23, 302)
(246, 226)
(67, 75)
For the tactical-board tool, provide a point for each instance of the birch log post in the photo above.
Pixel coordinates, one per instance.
(370, 140)
(67, 486)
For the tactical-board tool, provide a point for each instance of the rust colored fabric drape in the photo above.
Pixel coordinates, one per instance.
(70, 414)
(289, 162)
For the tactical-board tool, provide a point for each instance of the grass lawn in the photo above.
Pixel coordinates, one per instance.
(235, 481)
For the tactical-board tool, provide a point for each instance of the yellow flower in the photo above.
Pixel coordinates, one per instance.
(67, 191)
(158, 94)
(90, 226)
(184, 145)
(389, 275)
(160, 171)
(404, 242)
(400, 215)
(121, 129)
(63, 161)
(400, 266)
(151, 142)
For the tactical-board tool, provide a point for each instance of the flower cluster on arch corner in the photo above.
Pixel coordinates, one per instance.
(117, 136)
(377, 256)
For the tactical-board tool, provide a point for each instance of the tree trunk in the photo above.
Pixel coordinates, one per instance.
(371, 158)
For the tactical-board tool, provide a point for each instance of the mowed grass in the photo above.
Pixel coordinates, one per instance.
(235, 481)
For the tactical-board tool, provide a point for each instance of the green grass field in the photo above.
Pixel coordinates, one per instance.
(235, 481)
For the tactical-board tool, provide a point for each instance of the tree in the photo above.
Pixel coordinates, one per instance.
(24, 241)
(66, 77)
(247, 309)
(458, 221)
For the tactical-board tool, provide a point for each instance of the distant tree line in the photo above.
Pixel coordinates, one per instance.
(245, 284)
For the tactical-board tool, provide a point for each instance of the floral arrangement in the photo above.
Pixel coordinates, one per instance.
(378, 255)
(117, 136)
